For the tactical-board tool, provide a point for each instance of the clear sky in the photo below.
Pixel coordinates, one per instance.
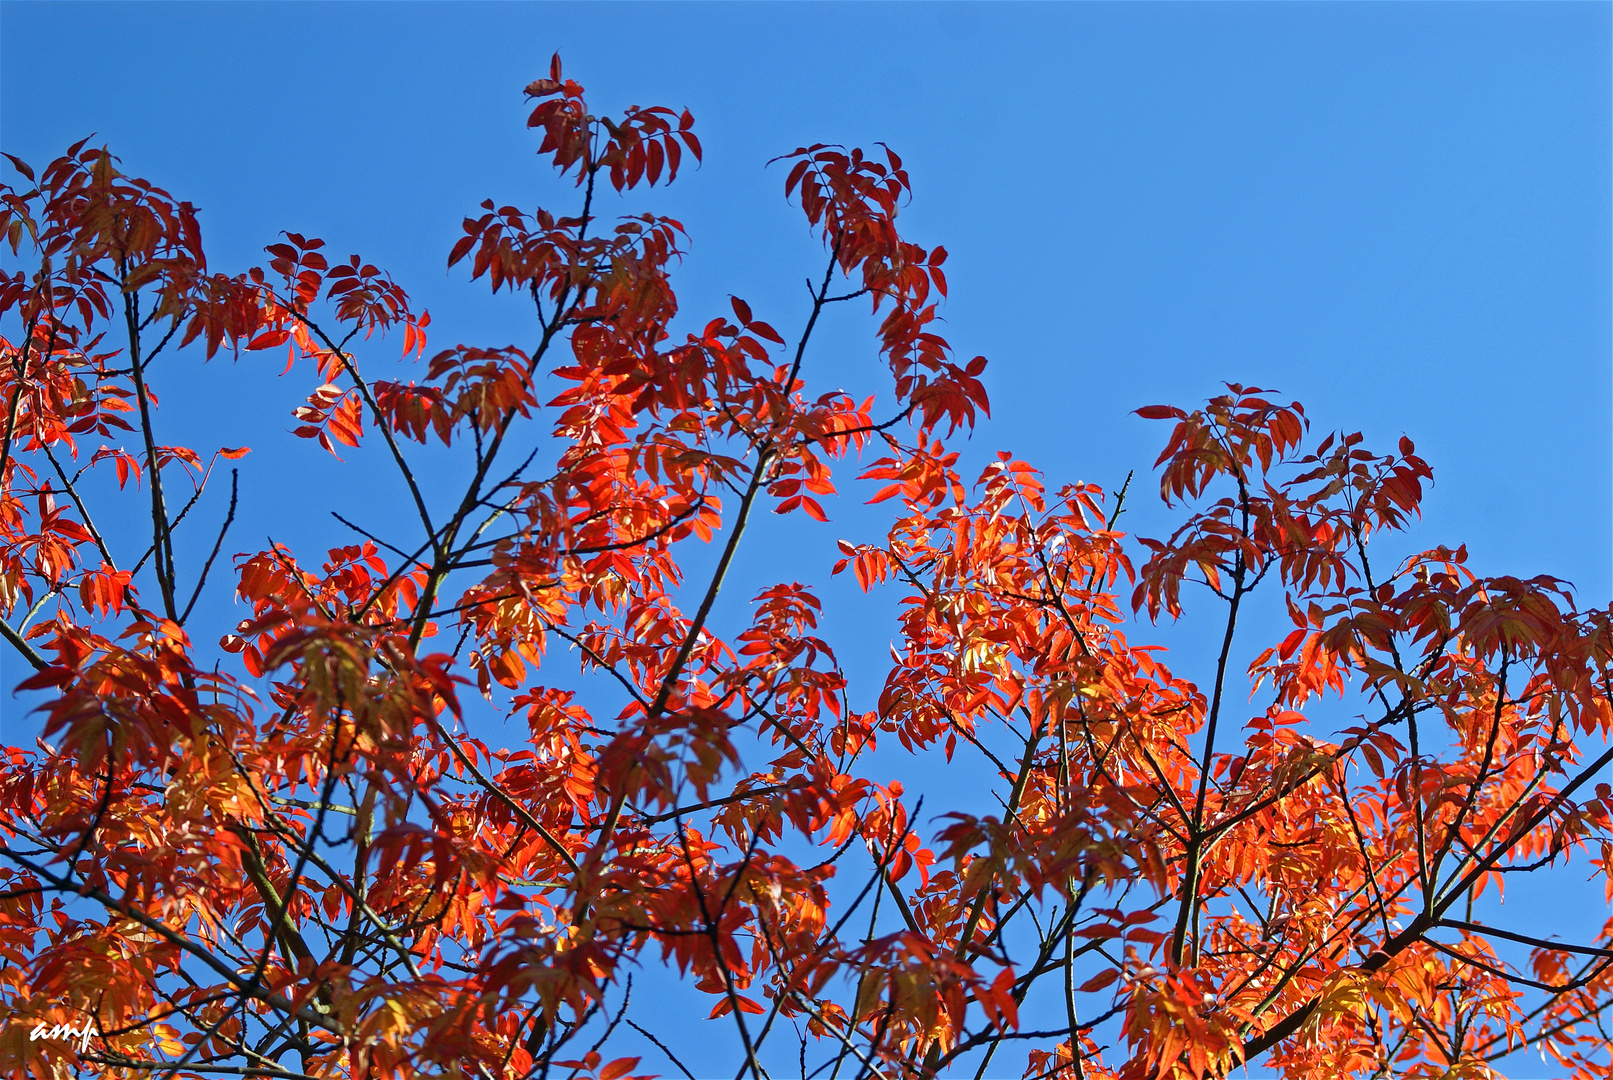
(1396, 213)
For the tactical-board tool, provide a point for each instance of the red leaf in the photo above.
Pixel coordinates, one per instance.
(1098, 981)
(762, 330)
(617, 1068)
(21, 166)
(268, 339)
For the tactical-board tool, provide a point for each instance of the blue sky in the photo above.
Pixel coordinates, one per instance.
(1398, 214)
(1395, 213)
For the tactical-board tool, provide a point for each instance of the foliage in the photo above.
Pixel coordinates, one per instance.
(295, 857)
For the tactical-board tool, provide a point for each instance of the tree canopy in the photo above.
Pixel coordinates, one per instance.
(287, 846)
